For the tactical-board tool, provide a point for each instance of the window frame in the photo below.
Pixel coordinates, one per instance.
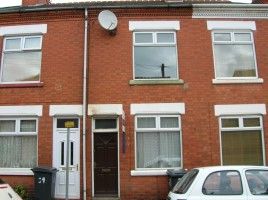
(233, 42)
(157, 129)
(20, 50)
(17, 132)
(242, 128)
(155, 44)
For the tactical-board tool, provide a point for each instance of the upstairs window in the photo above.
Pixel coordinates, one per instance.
(21, 59)
(234, 54)
(155, 55)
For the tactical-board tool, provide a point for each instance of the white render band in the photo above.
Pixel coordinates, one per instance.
(153, 25)
(240, 109)
(23, 29)
(157, 108)
(61, 110)
(238, 25)
(26, 110)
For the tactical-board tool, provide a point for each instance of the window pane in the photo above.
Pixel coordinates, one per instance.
(257, 181)
(251, 122)
(222, 37)
(169, 122)
(28, 126)
(242, 148)
(32, 43)
(234, 61)
(143, 38)
(7, 125)
(155, 62)
(13, 43)
(242, 37)
(105, 123)
(229, 123)
(61, 122)
(24, 66)
(18, 151)
(158, 150)
(146, 122)
(223, 183)
(165, 38)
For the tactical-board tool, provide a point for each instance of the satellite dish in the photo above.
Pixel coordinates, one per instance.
(108, 20)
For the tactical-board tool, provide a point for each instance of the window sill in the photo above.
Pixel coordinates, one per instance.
(16, 171)
(161, 172)
(21, 85)
(156, 82)
(236, 81)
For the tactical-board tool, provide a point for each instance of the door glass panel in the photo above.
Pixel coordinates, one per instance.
(105, 123)
(62, 153)
(72, 153)
(61, 122)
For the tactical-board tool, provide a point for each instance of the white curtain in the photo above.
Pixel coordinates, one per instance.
(158, 149)
(18, 151)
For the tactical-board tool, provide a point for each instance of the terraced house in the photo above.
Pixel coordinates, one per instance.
(150, 85)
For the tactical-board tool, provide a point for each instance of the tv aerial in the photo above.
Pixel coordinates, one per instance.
(108, 21)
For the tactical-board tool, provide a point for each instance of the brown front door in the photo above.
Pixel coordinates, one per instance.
(105, 164)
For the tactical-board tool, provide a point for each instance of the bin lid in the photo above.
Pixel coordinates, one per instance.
(44, 169)
(176, 172)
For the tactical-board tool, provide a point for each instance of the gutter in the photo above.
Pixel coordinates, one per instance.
(82, 6)
(85, 101)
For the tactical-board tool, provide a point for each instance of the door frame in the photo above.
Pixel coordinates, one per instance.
(99, 131)
(54, 143)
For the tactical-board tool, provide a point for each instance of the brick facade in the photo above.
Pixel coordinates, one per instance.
(110, 70)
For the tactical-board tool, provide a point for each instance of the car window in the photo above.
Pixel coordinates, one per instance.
(257, 181)
(223, 183)
(184, 184)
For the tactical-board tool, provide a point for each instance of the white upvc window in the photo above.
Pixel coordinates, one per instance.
(234, 54)
(242, 141)
(158, 142)
(155, 55)
(18, 143)
(21, 59)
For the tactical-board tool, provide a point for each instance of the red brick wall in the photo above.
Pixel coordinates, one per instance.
(110, 69)
(61, 75)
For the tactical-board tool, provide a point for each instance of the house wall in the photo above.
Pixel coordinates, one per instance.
(110, 70)
(61, 76)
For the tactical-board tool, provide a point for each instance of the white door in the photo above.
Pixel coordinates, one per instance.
(59, 158)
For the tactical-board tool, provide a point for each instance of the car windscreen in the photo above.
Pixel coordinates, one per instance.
(184, 184)
(257, 181)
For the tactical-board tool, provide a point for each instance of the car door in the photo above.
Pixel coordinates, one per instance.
(223, 185)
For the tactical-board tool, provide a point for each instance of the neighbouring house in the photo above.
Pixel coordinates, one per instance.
(150, 85)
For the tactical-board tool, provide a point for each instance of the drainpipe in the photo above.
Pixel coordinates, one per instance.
(85, 103)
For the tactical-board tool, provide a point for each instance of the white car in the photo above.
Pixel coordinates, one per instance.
(222, 183)
(7, 193)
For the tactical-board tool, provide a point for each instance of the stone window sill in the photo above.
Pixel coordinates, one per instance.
(156, 82)
(21, 85)
(237, 81)
(160, 172)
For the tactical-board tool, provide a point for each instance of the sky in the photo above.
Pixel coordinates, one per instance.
(6, 3)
